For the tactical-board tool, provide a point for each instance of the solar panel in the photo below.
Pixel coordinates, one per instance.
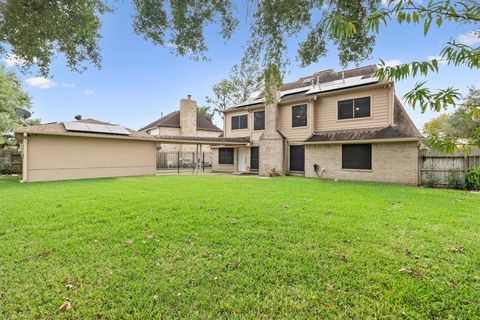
(76, 126)
(98, 128)
(95, 128)
(118, 130)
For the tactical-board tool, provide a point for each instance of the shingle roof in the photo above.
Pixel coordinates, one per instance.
(320, 77)
(59, 127)
(403, 128)
(172, 120)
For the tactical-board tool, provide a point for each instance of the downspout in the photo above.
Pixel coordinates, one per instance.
(24, 158)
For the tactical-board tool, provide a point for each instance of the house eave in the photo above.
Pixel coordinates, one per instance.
(413, 139)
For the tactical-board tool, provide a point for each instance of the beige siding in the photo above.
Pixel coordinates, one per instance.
(239, 132)
(381, 110)
(391, 162)
(64, 158)
(285, 123)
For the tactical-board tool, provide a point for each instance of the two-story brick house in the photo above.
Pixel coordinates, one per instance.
(185, 122)
(338, 125)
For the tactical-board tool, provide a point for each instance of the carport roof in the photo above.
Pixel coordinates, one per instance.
(203, 140)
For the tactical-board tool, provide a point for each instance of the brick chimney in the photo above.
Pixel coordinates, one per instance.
(271, 141)
(188, 116)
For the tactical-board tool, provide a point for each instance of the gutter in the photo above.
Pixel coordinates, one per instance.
(86, 135)
(365, 141)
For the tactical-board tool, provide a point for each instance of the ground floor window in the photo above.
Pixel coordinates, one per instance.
(297, 158)
(225, 156)
(254, 158)
(357, 156)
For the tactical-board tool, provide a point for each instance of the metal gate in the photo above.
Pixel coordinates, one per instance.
(183, 162)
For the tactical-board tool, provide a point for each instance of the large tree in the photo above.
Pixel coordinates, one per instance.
(459, 129)
(73, 29)
(11, 96)
(244, 79)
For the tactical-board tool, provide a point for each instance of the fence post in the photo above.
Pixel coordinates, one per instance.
(203, 162)
(193, 162)
(178, 162)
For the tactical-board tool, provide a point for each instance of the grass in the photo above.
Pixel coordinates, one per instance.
(237, 247)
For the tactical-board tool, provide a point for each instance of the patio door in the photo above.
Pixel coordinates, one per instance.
(297, 158)
(254, 158)
(242, 159)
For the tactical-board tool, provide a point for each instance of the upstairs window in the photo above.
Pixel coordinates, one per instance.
(299, 116)
(225, 156)
(240, 122)
(354, 108)
(259, 120)
(357, 156)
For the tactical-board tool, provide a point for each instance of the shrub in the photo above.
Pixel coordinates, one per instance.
(430, 180)
(6, 168)
(455, 180)
(472, 179)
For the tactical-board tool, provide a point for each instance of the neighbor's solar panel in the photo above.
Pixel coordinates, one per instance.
(95, 128)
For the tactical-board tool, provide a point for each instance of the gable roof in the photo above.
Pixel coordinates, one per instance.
(172, 120)
(59, 128)
(403, 128)
(322, 81)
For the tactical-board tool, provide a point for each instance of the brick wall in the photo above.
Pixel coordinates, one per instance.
(14, 157)
(391, 162)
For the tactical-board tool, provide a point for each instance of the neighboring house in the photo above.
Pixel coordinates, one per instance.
(185, 122)
(338, 125)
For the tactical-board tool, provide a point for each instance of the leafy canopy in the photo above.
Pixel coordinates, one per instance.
(11, 96)
(73, 30)
(458, 130)
(244, 79)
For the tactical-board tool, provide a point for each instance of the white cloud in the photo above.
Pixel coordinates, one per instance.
(438, 58)
(393, 62)
(12, 60)
(89, 92)
(68, 85)
(471, 38)
(40, 82)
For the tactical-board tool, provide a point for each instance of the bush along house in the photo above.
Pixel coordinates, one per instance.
(345, 125)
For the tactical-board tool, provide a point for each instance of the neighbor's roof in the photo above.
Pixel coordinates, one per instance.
(319, 82)
(402, 129)
(172, 120)
(59, 128)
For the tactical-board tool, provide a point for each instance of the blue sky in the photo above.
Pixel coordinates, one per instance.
(138, 81)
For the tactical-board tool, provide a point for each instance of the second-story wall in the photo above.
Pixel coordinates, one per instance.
(381, 109)
(322, 114)
(248, 132)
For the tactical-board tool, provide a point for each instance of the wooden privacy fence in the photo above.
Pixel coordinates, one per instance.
(438, 167)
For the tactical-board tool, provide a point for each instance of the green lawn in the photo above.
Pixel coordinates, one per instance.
(237, 247)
